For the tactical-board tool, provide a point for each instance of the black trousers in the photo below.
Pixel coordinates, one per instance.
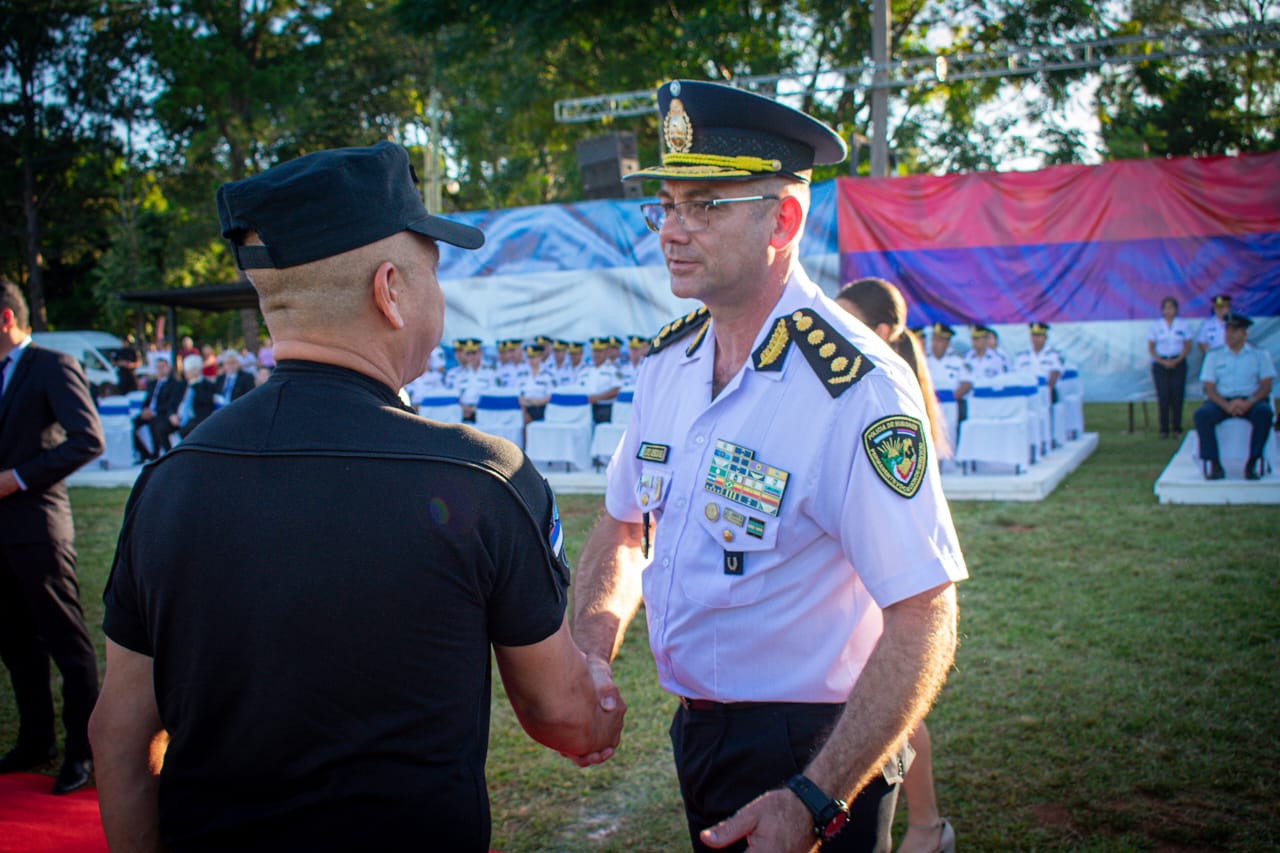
(726, 757)
(161, 431)
(40, 618)
(1171, 387)
(1209, 415)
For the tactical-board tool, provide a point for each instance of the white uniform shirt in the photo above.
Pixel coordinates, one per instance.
(800, 620)
(1169, 337)
(600, 378)
(949, 371)
(989, 365)
(536, 386)
(1213, 332)
(470, 384)
(1041, 364)
(1237, 374)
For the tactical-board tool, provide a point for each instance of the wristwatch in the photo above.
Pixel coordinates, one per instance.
(829, 814)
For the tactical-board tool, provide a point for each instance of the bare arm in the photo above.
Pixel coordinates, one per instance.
(553, 693)
(128, 750)
(607, 592)
(901, 679)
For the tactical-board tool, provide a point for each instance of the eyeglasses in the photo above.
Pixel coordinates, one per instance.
(692, 215)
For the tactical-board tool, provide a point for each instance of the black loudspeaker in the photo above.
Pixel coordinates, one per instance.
(603, 161)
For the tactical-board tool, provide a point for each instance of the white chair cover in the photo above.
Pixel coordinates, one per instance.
(441, 407)
(950, 415)
(501, 415)
(1071, 393)
(607, 436)
(1233, 446)
(998, 427)
(117, 430)
(564, 434)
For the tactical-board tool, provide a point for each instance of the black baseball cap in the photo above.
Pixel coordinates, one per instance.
(1236, 321)
(330, 202)
(714, 132)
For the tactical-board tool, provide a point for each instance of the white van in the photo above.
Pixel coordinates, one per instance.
(96, 352)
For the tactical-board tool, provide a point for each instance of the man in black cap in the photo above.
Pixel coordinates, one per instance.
(799, 584)
(1237, 381)
(316, 653)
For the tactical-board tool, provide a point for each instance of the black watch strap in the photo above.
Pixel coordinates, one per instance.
(829, 814)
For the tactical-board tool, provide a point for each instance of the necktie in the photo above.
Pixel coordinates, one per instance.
(4, 365)
(155, 395)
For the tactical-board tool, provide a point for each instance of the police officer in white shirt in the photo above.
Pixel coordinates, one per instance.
(602, 380)
(1213, 331)
(471, 377)
(947, 368)
(536, 384)
(1237, 379)
(637, 349)
(511, 365)
(1169, 341)
(1041, 361)
(984, 360)
(799, 584)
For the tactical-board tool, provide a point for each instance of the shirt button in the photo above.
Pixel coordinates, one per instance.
(680, 503)
(666, 561)
(700, 440)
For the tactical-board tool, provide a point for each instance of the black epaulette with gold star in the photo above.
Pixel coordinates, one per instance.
(835, 360)
(682, 327)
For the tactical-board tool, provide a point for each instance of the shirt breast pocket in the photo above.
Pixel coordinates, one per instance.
(741, 537)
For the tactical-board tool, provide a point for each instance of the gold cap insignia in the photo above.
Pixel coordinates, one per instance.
(677, 130)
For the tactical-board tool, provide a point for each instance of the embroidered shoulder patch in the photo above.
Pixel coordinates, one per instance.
(679, 328)
(898, 453)
(836, 361)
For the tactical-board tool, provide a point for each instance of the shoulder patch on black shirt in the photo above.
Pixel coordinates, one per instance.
(835, 360)
(681, 327)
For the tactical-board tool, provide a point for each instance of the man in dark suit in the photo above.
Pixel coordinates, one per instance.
(197, 401)
(234, 382)
(164, 393)
(48, 429)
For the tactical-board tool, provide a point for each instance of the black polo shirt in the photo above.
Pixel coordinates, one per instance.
(318, 575)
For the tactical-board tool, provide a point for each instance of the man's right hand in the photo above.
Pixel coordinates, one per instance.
(611, 703)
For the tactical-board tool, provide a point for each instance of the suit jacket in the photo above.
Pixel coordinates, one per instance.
(48, 428)
(243, 385)
(170, 395)
(202, 404)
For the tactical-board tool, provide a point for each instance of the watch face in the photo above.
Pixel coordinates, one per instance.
(836, 824)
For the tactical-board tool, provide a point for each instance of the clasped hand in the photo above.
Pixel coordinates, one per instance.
(613, 708)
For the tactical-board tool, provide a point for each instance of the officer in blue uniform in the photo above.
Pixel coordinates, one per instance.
(774, 502)
(1237, 379)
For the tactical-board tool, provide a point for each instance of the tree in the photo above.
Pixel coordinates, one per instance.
(57, 77)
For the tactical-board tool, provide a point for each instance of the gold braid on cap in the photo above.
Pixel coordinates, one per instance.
(743, 163)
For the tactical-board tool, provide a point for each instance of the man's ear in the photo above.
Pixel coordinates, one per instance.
(787, 226)
(386, 285)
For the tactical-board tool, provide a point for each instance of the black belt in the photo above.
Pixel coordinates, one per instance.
(726, 707)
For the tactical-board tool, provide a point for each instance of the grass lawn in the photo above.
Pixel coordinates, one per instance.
(1116, 685)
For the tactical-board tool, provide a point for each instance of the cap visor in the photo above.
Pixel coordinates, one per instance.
(448, 231)
(695, 173)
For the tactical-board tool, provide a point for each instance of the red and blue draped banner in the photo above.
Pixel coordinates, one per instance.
(1071, 243)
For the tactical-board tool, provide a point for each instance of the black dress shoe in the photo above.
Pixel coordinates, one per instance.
(73, 776)
(1213, 471)
(20, 758)
(1253, 469)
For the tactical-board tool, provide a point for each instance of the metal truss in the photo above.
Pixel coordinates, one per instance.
(940, 69)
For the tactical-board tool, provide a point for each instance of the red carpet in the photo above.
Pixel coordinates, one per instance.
(34, 821)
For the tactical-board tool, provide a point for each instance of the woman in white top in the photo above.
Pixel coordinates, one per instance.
(1169, 341)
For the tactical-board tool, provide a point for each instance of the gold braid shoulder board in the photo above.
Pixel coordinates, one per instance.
(681, 327)
(836, 361)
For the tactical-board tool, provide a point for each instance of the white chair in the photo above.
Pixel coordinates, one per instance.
(117, 430)
(501, 415)
(607, 436)
(441, 407)
(998, 427)
(1071, 398)
(950, 415)
(564, 433)
(1234, 435)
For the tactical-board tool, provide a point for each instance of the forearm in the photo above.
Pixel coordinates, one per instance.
(893, 693)
(551, 689)
(607, 590)
(128, 796)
